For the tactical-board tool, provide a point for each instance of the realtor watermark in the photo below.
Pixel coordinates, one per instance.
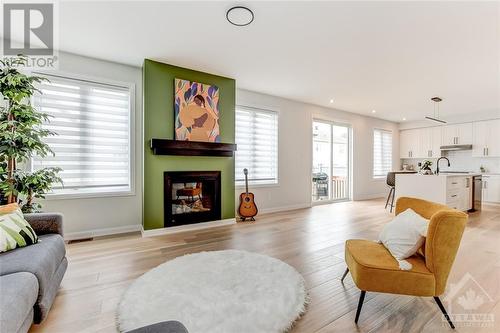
(469, 304)
(30, 29)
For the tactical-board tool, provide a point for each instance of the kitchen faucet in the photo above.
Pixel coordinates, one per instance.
(437, 164)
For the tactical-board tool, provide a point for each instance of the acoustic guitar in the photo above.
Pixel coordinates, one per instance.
(248, 208)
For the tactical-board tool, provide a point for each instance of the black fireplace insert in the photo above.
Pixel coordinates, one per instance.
(191, 197)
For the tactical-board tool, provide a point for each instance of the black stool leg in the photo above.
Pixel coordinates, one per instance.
(443, 310)
(388, 198)
(393, 195)
(360, 305)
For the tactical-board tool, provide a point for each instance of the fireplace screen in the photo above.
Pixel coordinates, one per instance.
(192, 197)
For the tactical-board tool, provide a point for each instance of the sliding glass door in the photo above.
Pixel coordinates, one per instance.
(331, 161)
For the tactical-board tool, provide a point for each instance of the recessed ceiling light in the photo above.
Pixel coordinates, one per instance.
(374, 111)
(331, 101)
(239, 16)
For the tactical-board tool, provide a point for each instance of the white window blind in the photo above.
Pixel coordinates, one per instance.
(257, 140)
(382, 153)
(92, 147)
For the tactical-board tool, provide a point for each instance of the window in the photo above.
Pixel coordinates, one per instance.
(257, 140)
(382, 153)
(92, 147)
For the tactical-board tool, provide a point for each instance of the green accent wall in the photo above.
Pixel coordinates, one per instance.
(158, 99)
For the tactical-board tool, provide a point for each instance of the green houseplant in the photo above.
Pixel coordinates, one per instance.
(21, 134)
(35, 185)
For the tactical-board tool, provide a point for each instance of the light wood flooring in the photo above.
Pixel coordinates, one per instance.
(311, 240)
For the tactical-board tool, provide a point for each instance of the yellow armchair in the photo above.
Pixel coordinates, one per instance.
(373, 268)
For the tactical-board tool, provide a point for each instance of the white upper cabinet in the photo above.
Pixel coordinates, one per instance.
(420, 143)
(486, 138)
(457, 134)
(409, 143)
(430, 142)
(426, 142)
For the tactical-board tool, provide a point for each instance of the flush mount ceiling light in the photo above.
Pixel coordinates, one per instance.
(331, 101)
(239, 16)
(435, 117)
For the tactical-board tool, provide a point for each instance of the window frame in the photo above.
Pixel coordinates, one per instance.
(82, 193)
(381, 177)
(260, 183)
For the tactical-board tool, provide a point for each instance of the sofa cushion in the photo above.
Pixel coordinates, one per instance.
(41, 259)
(373, 268)
(19, 293)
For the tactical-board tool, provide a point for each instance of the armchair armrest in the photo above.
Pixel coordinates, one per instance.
(46, 223)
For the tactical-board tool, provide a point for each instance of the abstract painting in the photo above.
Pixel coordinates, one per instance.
(196, 111)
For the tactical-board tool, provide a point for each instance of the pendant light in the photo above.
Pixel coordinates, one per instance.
(435, 117)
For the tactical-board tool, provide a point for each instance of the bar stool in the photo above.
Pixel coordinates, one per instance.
(391, 181)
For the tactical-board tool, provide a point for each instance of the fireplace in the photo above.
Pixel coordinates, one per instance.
(191, 197)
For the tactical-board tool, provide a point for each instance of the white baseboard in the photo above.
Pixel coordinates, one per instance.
(284, 208)
(101, 232)
(187, 227)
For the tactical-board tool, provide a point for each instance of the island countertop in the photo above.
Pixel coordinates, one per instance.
(451, 189)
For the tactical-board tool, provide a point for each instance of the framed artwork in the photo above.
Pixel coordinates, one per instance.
(196, 111)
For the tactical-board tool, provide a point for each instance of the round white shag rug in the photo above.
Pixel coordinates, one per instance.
(220, 291)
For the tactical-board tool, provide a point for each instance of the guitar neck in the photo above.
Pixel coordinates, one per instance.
(246, 184)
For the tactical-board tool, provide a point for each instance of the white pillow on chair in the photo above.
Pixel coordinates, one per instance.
(404, 235)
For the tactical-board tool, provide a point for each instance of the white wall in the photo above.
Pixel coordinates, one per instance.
(88, 216)
(295, 151)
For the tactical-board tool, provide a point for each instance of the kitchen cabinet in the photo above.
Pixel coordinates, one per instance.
(430, 142)
(459, 193)
(455, 191)
(409, 143)
(457, 134)
(491, 188)
(420, 143)
(486, 138)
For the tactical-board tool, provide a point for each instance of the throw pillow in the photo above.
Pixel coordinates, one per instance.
(404, 235)
(15, 231)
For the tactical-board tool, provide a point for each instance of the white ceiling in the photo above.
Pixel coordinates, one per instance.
(388, 56)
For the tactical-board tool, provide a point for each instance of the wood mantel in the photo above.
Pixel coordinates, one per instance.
(192, 148)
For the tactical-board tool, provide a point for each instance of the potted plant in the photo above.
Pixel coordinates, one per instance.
(425, 168)
(35, 185)
(21, 134)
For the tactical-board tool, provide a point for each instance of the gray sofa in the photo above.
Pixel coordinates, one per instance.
(30, 276)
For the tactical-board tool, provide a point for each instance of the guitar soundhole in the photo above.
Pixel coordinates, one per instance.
(247, 199)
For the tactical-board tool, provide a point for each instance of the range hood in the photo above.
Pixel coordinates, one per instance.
(456, 147)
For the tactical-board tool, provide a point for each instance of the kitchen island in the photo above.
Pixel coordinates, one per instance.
(453, 190)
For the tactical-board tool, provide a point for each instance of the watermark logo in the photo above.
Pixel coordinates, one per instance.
(30, 29)
(469, 304)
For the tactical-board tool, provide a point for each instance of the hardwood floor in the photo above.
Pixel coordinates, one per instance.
(311, 240)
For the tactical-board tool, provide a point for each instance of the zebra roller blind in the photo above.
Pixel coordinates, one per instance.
(92, 121)
(257, 140)
(382, 153)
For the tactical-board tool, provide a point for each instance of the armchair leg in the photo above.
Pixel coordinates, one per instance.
(443, 310)
(360, 305)
(345, 274)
